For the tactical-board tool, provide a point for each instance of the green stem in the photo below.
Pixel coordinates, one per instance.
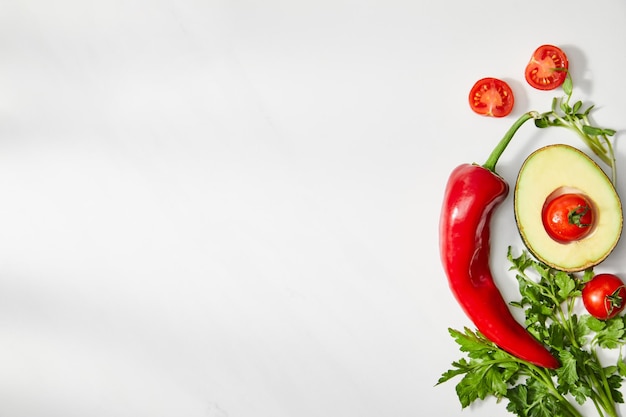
(533, 371)
(597, 405)
(567, 325)
(606, 155)
(601, 394)
(566, 322)
(603, 387)
(546, 380)
(501, 146)
(571, 117)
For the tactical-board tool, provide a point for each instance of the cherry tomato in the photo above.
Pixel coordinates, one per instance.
(568, 217)
(546, 69)
(604, 296)
(491, 97)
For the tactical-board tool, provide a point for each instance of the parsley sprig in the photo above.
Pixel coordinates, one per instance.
(550, 299)
(576, 118)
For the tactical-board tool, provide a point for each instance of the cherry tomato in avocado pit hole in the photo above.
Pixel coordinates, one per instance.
(604, 296)
(568, 217)
(491, 97)
(547, 68)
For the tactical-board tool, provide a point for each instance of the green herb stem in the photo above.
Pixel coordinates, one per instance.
(575, 118)
(546, 379)
(603, 386)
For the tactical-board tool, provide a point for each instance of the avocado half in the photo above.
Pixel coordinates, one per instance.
(557, 169)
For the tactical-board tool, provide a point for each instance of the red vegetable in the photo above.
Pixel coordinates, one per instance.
(604, 296)
(568, 217)
(546, 69)
(472, 194)
(491, 97)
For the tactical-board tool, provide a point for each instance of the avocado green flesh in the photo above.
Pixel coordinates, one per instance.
(562, 167)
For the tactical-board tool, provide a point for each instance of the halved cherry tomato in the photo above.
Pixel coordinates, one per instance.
(568, 217)
(547, 68)
(604, 296)
(491, 97)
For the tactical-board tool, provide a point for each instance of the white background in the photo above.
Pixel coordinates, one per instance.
(229, 208)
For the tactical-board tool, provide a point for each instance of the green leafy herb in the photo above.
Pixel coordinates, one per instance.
(548, 298)
(574, 117)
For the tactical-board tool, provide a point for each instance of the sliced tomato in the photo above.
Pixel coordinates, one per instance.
(547, 68)
(491, 97)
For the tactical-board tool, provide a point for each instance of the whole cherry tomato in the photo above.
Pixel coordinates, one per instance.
(491, 97)
(568, 217)
(547, 68)
(604, 296)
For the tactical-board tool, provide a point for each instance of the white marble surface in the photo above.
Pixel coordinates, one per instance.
(229, 208)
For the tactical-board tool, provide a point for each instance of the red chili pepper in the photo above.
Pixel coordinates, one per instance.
(472, 194)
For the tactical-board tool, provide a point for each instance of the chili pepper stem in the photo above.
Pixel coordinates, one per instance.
(504, 142)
